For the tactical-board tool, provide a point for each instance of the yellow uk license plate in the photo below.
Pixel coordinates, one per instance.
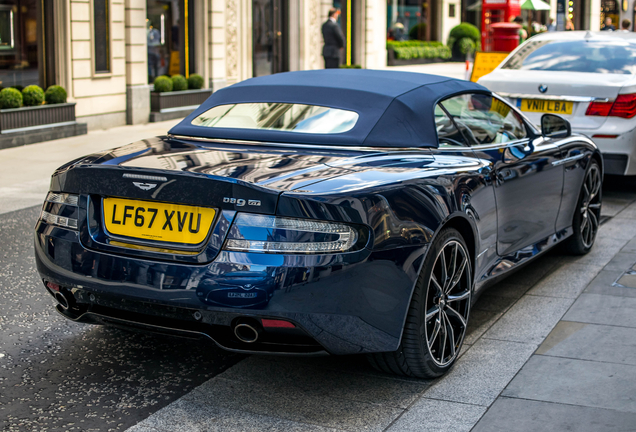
(546, 106)
(157, 221)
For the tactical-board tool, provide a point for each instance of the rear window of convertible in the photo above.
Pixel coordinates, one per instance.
(607, 56)
(278, 116)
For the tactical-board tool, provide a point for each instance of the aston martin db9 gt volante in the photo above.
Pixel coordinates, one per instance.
(316, 212)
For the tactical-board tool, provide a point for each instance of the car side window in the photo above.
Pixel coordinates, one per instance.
(485, 119)
(447, 133)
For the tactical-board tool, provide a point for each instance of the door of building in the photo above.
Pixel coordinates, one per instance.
(26, 43)
(269, 37)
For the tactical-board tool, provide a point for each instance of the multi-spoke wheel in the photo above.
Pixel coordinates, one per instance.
(438, 314)
(588, 212)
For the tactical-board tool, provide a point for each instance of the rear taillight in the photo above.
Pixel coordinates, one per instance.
(624, 106)
(599, 109)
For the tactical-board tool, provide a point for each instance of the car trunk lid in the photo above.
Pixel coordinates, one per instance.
(577, 89)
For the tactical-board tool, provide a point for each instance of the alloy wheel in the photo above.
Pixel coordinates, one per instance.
(447, 303)
(590, 206)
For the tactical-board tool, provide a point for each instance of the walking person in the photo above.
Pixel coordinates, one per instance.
(334, 40)
(626, 25)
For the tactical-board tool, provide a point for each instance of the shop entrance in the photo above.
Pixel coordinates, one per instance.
(26, 43)
(170, 36)
(270, 52)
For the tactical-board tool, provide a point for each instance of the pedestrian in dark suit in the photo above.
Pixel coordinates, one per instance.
(334, 40)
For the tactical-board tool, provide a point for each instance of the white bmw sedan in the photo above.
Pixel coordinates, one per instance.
(589, 78)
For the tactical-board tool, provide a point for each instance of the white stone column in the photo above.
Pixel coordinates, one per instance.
(593, 15)
(217, 42)
(375, 34)
(137, 87)
(100, 97)
(201, 42)
(238, 40)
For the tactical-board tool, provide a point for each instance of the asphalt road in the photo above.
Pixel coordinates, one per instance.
(60, 375)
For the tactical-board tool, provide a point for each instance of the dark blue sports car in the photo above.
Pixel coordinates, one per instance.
(318, 212)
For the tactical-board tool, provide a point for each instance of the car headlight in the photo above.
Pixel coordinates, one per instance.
(60, 209)
(272, 234)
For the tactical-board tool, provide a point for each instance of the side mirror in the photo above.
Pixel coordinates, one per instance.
(553, 126)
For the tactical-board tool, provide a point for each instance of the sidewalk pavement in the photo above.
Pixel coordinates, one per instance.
(551, 348)
(26, 170)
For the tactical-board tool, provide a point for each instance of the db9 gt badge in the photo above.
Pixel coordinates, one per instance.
(240, 202)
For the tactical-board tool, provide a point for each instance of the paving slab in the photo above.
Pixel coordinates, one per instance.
(603, 309)
(630, 246)
(628, 213)
(603, 283)
(508, 414)
(187, 416)
(428, 415)
(482, 373)
(621, 261)
(605, 247)
(568, 282)
(288, 373)
(576, 382)
(507, 289)
(530, 320)
(478, 323)
(613, 206)
(591, 342)
(294, 403)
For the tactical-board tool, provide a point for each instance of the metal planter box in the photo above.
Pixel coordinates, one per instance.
(177, 100)
(36, 116)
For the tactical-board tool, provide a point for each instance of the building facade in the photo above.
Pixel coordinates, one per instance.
(106, 53)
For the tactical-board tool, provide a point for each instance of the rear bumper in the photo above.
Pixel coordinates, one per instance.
(619, 154)
(341, 304)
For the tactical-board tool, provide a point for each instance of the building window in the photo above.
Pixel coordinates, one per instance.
(451, 10)
(101, 36)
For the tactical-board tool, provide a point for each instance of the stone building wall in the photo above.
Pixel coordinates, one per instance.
(223, 50)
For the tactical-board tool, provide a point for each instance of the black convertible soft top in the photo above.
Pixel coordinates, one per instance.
(396, 109)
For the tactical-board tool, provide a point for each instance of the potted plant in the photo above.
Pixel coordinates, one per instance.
(464, 39)
(33, 115)
(176, 96)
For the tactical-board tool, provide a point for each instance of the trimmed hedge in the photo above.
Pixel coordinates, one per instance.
(195, 82)
(353, 66)
(55, 94)
(460, 37)
(10, 98)
(163, 84)
(33, 95)
(413, 49)
(179, 83)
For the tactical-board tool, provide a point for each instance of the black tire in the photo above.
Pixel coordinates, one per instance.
(587, 214)
(422, 350)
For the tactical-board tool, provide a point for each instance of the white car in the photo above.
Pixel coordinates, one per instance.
(589, 78)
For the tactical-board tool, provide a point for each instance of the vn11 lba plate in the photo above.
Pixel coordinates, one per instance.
(545, 106)
(157, 221)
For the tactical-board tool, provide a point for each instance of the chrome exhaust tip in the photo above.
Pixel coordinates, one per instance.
(246, 333)
(61, 300)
